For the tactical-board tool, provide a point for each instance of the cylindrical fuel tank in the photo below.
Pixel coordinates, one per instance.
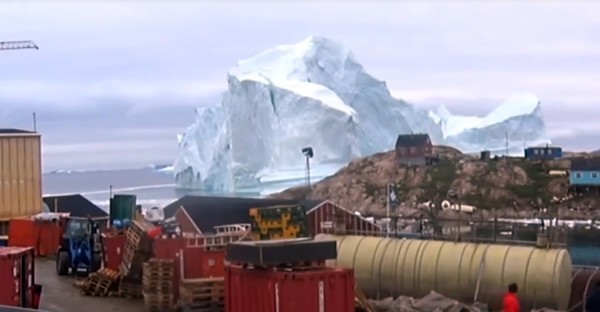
(386, 267)
(582, 282)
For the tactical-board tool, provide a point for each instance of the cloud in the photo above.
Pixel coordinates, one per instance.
(127, 65)
(71, 94)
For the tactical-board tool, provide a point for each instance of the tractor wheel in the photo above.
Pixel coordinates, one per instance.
(96, 262)
(62, 263)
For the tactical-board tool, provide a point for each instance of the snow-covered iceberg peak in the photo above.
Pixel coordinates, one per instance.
(296, 61)
(524, 104)
(315, 93)
(516, 105)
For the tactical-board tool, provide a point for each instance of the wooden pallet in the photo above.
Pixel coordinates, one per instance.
(202, 293)
(203, 307)
(100, 283)
(158, 302)
(130, 289)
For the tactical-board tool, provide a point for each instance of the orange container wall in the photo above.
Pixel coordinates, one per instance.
(318, 290)
(200, 263)
(20, 175)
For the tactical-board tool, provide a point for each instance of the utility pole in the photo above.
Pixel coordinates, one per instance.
(34, 123)
(308, 153)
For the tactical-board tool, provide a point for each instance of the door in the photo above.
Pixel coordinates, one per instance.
(24, 281)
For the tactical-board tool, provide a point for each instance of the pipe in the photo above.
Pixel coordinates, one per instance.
(385, 267)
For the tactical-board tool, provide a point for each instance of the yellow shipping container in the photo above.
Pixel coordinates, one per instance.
(20, 173)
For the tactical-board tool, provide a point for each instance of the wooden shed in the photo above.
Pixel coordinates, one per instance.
(20, 174)
(330, 218)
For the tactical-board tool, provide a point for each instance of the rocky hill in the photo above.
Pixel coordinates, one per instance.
(509, 186)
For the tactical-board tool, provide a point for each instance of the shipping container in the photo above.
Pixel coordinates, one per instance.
(17, 277)
(329, 218)
(20, 174)
(122, 206)
(22, 233)
(113, 246)
(49, 237)
(43, 236)
(316, 290)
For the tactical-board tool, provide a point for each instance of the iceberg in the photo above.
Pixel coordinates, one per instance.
(315, 93)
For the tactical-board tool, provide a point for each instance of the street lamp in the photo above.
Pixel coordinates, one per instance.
(308, 153)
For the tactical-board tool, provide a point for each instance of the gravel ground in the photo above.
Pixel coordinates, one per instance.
(59, 294)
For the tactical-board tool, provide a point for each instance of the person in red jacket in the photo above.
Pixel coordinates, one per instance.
(511, 303)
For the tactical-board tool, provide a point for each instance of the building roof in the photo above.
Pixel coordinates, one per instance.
(76, 205)
(15, 131)
(207, 212)
(542, 147)
(410, 140)
(585, 164)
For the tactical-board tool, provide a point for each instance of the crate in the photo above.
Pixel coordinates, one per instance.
(279, 252)
(101, 283)
(202, 295)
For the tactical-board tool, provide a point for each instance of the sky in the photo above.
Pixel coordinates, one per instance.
(114, 81)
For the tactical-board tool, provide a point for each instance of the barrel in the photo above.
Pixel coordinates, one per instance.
(122, 206)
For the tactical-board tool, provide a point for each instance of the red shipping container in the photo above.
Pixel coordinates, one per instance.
(49, 236)
(22, 233)
(113, 250)
(17, 277)
(170, 248)
(317, 290)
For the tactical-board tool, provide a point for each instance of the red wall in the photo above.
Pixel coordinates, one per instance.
(322, 289)
(185, 223)
(326, 212)
(43, 236)
(197, 261)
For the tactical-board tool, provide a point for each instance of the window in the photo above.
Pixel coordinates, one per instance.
(595, 175)
(578, 175)
(536, 151)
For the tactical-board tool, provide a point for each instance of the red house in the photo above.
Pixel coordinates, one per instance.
(413, 149)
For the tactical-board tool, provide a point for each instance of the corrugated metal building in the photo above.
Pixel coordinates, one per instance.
(20, 173)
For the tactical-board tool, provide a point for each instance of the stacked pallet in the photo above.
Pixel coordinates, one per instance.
(137, 250)
(100, 283)
(157, 285)
(129, 288)
(202, 295)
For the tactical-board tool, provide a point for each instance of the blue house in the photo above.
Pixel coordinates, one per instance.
(543, 153)
(585, 173)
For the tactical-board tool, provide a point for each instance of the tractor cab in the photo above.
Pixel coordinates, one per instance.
(78, 251)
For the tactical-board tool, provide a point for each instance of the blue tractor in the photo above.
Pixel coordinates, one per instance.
(78, 251)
